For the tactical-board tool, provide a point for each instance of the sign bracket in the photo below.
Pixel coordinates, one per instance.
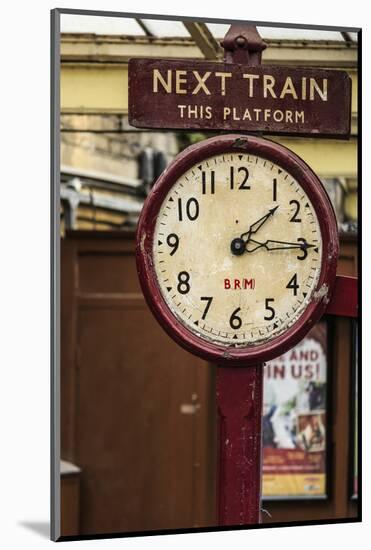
(243, 44)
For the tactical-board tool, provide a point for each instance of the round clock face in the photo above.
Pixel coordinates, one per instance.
(231, 249)
(237, 249)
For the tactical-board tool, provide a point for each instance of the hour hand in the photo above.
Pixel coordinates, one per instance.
(254, 227)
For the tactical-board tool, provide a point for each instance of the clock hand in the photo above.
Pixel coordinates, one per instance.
(276, 245)
(282, 245)
(254, 227)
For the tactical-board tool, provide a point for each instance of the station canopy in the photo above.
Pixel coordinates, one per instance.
(129, 26)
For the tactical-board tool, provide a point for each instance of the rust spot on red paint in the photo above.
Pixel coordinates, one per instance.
(321, 294)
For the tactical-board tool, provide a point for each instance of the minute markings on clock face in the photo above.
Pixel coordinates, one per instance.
(220, 293)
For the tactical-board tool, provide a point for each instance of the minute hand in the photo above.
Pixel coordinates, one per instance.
(283, 245)
(252, 245)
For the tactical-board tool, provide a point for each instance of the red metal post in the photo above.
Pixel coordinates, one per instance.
(239, 391)
(239, 402)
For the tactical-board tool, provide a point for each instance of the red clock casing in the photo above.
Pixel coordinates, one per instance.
(213, 351)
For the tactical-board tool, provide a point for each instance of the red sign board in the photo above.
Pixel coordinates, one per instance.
(204, 95)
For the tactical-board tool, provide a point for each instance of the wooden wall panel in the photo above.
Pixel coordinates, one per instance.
(70, 504)
(348, 257)
(106, 273)
(137, 412)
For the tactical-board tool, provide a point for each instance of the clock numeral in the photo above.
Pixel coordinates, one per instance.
(269, 308)
(304, 250)
(297, 208)
(183, 282)
(173, 241)
(293, 284)
(245, 178)
(235, 321)
(192, 209)
(204, 182)
(207, 299)
(275, 189)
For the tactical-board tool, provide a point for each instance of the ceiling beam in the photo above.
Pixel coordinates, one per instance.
(144, 27)
(208, 45)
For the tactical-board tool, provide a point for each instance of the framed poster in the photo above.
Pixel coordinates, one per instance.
(295, 420)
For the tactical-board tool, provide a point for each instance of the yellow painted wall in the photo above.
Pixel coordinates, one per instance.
(95, 89)
(328, 158)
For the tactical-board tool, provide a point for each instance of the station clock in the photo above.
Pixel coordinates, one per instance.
(237, 247)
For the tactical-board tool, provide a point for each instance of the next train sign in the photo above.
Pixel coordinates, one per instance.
(188, 94)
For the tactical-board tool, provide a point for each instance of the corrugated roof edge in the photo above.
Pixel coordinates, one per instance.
(184, 39)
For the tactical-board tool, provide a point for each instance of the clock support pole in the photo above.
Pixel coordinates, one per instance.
(239, 404)
(239, 390)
